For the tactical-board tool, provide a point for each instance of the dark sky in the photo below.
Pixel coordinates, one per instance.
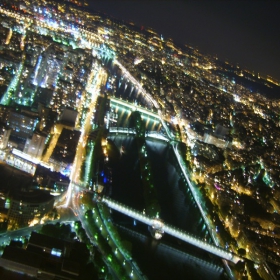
(243, 31)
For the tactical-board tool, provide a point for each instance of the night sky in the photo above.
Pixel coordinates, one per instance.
(244, 32)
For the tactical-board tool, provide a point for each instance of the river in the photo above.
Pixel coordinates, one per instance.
(167, 258)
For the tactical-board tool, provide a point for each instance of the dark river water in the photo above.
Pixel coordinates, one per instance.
(167, 258)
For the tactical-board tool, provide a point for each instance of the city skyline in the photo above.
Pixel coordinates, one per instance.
(240, 32)
(130, 138)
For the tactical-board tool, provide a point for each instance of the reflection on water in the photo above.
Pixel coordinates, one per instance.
(167, 258)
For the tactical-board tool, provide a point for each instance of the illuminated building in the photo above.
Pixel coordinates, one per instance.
(4, 110)
(8, 59)
(35, 146)
(4, 136)
(46, 258)
(66, 95)
(21, 124)
(26, 206)
(46, 70)
(219, 142)
(54, 182)
(64, 152)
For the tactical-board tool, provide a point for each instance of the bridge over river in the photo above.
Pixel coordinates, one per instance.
(158, 225)
(126, 130)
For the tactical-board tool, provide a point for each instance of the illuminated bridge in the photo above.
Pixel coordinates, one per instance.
(132, 107)
(102, 50)
(136, 83)
(156, 117)
(215, 250)
(126, 130)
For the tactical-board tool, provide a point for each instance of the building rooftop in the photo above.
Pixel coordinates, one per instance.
(33, 196)
(44, 255)
(44, 241)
